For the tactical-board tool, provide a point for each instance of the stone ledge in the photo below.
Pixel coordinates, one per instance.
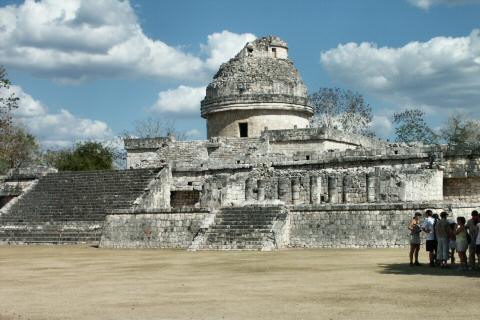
(383, 206)
(338, 158)
(158, 211)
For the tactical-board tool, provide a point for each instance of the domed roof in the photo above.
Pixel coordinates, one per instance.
(261, 72)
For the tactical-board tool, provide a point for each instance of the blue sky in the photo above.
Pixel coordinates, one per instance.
(89, 69)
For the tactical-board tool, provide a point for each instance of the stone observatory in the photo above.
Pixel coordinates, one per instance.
(259, 88)
(263, 180)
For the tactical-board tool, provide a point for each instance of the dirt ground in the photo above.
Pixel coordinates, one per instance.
(82, 282)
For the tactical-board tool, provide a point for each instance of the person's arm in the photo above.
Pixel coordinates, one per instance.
(411, 225)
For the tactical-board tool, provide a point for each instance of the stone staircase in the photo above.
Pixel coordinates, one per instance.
(70, 207)
(244, 228)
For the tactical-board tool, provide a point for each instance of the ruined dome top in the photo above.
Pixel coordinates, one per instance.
(260, 73)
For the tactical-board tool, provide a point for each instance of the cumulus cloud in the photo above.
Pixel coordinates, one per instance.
(183, 100)
(426, 4)
(382, 125)
(77, 40)
(58, 129)
(221, 46)
(441, 74)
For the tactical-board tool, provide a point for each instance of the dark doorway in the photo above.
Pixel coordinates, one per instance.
(180, 199)
(274, 52)
(243, 127)
(5, 199)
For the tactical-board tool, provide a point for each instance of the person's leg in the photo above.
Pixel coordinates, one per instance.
(442, 248)
(463, 259)
(439, 250)
(417, 249)
(452, 255)
(412, 249)
(429, 246)
(478, 256)
(446, 248)
(471, 256)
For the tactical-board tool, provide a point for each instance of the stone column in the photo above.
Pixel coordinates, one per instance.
(296, 190)
(283, 190)
(403, 191)
(250, 185)
(261, 189)
(315, 189)
(347, 182)
(332, 189)
(370, 187)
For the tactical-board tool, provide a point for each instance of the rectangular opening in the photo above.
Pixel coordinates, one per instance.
(5, 199)
(243, 128)
(461, 189)
(180, 199)
(274, 52)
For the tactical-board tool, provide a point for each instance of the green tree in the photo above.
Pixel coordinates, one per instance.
(17, 148)
(412, 127)
(8, 102)
(154, 128)
(341, 109)
(459, 129)
(85, 156)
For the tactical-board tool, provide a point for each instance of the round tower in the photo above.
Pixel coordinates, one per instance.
(260, 87)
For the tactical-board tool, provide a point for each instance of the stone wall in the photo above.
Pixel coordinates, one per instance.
(462, 189)
(157, 193)
(155, 152)
(175, 228)
(322, 134)
(460, 161)
(360, 225)
(306, 150)
(257, 117)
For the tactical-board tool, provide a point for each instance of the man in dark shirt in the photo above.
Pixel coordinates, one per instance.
(471, 227)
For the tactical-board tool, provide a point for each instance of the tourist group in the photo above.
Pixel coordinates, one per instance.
(445, 236)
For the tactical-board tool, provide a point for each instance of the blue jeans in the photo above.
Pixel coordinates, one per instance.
(442, 249)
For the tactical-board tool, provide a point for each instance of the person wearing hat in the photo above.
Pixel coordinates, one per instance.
(442, 230)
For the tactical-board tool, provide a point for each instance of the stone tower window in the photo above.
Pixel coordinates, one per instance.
(274, 52)
(243, 128)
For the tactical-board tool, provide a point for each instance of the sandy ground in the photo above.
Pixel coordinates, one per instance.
(82, 282)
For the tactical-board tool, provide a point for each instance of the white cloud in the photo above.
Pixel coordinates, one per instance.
(77, 40)
(221, 46)
(183, 100)
(438, 75)
(55, 129)
(382, 125)
(194, 134)
(426, 4)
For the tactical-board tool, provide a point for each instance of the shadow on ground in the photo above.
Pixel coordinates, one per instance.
(405, 269)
